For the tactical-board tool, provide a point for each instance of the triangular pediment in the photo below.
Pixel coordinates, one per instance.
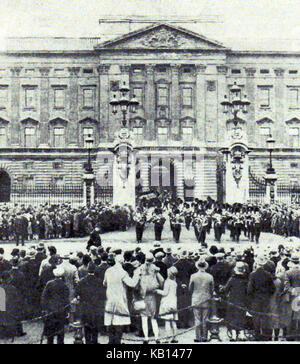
(264, 120)
(162, 36)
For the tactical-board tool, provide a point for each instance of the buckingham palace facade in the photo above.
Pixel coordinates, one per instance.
(56, 91)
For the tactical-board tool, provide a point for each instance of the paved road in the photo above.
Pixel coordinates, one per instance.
(127, 240)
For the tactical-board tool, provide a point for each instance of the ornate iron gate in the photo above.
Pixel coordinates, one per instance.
(257, 188)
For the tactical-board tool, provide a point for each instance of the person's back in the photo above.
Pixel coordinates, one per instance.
(92, 295)
(293, 276)
(202, 287)
(55, 297)
(221, 273)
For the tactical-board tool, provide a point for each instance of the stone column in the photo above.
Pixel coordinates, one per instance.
(15, 107)
(175, 100)
(44, 108)
(250, 92)
(145, 174)
(180, 179)
(199, 176)
(200, 102)
(222, 90)
(150, 102)
(104, 101)
(73, 107)
(280, 130)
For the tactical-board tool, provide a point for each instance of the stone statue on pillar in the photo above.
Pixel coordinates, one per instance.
(236, 148)
(124, 173)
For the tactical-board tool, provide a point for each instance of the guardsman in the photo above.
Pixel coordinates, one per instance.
(255, 226)
(187, 212)
(140, 221)
(200, 224)
(158, 220)
(177, 221)
(218, 224)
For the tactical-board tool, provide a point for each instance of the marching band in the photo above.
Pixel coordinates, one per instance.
(202, 216)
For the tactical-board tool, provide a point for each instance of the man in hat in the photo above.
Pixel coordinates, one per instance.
(185, 269)
(260, 289)
(92, 303)
(201, 287)
(221, 272)
(20, 228)
(17, 280)
(55, 302)
(169, 259)
(95, 238)
(31, 272)
(71, 278)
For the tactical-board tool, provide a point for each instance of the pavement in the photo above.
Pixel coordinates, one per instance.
(127, 241)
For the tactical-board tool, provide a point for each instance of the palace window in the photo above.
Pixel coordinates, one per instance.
(30, 97)
(294, 137)
(87, 133)
(293, 72)
(138, 93)
(59, 98)
(293, 98)
(264, 71)
(161, 69)
(187, 96)
(59, 137)
(162, 134)
(3, 137)
(138, 133)
(88, 98)
(58, 181)
(265, 133)
(187, 135)
(162, 96)
(88, 71)
(186, 70)
(264, 97)
(30, 137)
(3, 97)
(235, 71)
(28, 181)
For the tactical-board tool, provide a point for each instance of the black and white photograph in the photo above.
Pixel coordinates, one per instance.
(149, 174)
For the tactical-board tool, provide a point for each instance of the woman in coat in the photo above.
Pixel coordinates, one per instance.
(276, 306)
(236, 293)
(151, 280)
(116, 281)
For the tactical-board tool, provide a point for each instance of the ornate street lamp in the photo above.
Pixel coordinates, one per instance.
(270, 147)
(89, 141)
(89, 176)
(235, 103)
(271, 176)
(124, 103)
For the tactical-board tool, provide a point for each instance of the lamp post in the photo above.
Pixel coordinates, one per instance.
(89, 172)
(124, 153)
(271, 176)
(89, 141)
(236, 151)
(124, 103)
(235, 103)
